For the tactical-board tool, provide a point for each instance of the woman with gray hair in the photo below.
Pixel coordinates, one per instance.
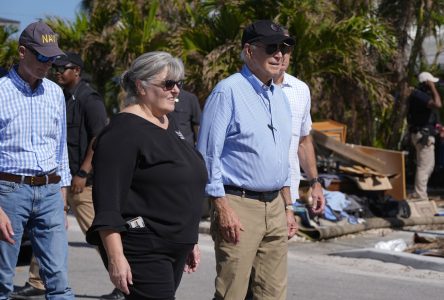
(148, 185)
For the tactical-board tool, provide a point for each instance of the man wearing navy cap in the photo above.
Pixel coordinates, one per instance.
(244, 138)
(34, 168)
(86, 116)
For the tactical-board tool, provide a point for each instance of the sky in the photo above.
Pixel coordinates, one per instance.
(28, 11)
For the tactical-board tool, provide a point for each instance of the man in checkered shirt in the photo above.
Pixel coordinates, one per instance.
(302, 152)
(34, 168)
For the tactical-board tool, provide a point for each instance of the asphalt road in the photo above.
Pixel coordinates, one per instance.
(313, 274)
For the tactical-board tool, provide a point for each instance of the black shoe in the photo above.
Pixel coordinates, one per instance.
(28, 292)
(116, 294)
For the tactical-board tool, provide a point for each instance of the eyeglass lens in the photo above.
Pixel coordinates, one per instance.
(169, 84)
(62, 69)
(41, 58)
(273, 48)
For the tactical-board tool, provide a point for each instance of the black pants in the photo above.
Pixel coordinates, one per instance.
(156, 264)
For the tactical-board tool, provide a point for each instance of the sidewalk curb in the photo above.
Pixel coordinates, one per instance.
(413, 260)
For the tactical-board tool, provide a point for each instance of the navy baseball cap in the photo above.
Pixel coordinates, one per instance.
(70, 58)
(267, 32)
(40, 37)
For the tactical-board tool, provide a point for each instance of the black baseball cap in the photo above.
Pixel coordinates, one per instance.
(70, 58)
(41, 38)
(267, 32)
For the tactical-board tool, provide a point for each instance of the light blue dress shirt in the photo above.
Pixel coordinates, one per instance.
(245, 135)
(32, 128)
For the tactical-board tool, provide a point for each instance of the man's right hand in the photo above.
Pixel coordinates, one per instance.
(229, 223)
(77, 184)
(6, 232)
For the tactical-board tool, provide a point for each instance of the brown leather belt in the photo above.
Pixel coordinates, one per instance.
(31, 180)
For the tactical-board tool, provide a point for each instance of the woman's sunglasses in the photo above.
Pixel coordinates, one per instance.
(41, 58)
(273, 48)
(169, 84)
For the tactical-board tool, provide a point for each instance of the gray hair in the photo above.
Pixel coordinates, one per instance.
(145, 68)
(243, 55)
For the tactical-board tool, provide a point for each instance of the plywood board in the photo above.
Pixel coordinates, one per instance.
(394, 163)
(332, 128)
(349, 152)
(372, 183)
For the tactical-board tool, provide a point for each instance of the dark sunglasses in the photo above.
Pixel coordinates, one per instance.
(169, 84)
(41, 58)
(62, 69)
(273, 48)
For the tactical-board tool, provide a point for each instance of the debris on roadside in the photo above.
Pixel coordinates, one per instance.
(427, 246)
(364, 188)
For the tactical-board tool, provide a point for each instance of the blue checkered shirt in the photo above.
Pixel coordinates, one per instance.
(32, 128)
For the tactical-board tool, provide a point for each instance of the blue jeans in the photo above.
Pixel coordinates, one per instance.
(40, 210)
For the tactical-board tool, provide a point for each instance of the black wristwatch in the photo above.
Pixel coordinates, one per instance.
(313, 181)
(82, 173)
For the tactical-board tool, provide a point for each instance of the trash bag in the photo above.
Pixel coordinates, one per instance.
(397, 245)
(390, 208)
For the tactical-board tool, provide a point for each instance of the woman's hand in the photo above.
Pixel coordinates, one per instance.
(118, 267)
(193, 260)
(120, 273)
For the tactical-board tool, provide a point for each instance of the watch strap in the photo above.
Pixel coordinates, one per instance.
(314, 180)
(82, 173)
(289, 207)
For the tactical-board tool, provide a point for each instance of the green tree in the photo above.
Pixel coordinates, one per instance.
(353, 54)
(110, 37)
(337, 53)
(8, 46)
(425, 16)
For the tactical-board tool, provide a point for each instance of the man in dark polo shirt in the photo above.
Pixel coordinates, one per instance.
(186, 114)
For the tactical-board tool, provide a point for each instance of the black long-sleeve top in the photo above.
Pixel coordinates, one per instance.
(143, 170)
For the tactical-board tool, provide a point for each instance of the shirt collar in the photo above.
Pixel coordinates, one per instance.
(286, 82)
(22, 85)
(258, 86)
(74, 89)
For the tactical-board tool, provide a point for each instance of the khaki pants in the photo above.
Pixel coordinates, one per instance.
(425, 162)
(261, 252)
(82, 207)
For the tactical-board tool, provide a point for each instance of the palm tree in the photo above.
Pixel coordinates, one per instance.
(8, 46)
(110, 37)
(346, 49)
(337, 55)
(210, 48)
(404, 15)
